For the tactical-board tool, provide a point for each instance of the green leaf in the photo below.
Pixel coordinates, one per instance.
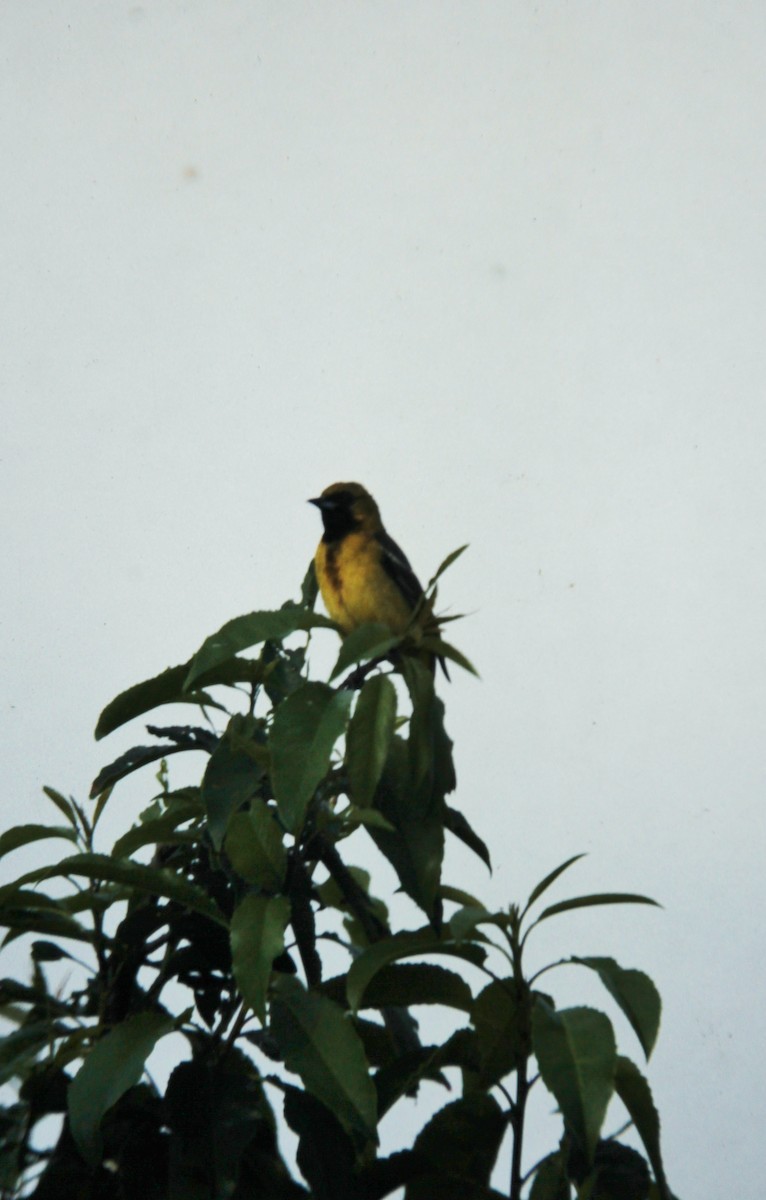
(249, 630)
(221, 1133)
(457, 823)
(13, 992)
(634, 992)
(442, 649)
(634, 1091)
(416, 848)
(452, 557)
(401, 945)
(432, 771)
(463, 923)
(155, 881)
(19, 1050)
(101, 804)
(162, 831)
(369, 817)
(24, 917)
(319, 1043)
(618, 1173)
(369, 737)
(417, 983)
(309, 587)
(372, 640)
(448, 1187)
(306, 726)
(325, 1151)
(462, 1140)
(255, 848)
(544, 884)
(458, 896)
(133, 760)
(575, 1050)
(22, 835)
(232, 775)
(551, 1181)
(63, 805)
(589, 901)
(114, 1064)
(257, 937)
(166, 688)
(498, 1022)
(48, 952)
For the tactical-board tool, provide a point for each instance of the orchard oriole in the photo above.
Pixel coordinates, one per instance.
(362, 574)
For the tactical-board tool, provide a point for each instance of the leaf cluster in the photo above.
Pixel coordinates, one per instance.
(215, 918)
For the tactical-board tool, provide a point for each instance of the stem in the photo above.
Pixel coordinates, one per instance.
(524, 998)
(517, 1121)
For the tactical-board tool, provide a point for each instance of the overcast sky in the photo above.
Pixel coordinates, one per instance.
(505, 264)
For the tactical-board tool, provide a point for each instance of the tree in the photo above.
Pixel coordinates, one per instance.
(248, 892)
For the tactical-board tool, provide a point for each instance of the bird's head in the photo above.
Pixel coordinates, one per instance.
(346, 507)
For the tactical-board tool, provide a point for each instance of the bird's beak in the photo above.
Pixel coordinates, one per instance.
(321, 502)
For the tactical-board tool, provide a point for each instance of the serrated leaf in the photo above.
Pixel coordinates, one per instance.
(403, 984)
(634, 992)
(221, 1134)
(114, 1064)
(635, 1093)
(407, 944)
(461, 1142)
(544, 884)
(249, 630)
(416, 848)
(498, 1022)
(132, 760)
(155, 881)
(368, 641)
(22, 835)
(369, 737)
(325, 1151)
(165, 688)
(257, 937)
(231, 777)
(619, 1173)
(576, 1053)
(320, 1044)
(255, 848)
(306, 726)
(551, 1181)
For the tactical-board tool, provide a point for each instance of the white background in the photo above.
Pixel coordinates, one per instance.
(503, 263)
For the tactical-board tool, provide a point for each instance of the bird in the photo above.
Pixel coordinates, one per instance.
(363, 575)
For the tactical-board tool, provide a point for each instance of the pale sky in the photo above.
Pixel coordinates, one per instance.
(505, 264)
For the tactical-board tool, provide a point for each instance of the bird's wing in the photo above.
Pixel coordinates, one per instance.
(396, 565)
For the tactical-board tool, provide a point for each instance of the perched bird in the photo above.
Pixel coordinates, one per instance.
(362, 573)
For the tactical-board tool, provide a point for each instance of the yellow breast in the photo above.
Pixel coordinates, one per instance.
(355, 587)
